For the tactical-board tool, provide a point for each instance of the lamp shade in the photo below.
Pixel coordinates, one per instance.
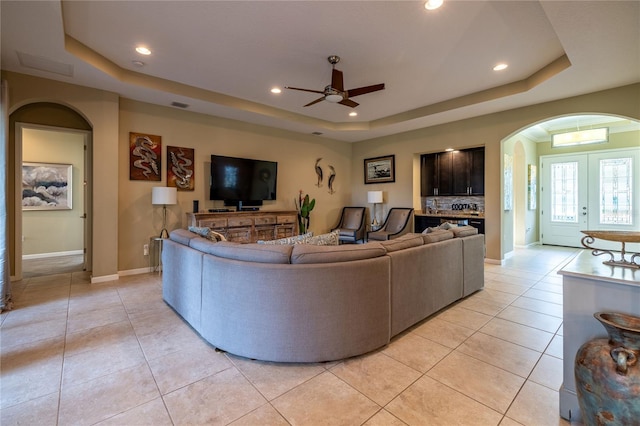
(374, 197)
(164, 195)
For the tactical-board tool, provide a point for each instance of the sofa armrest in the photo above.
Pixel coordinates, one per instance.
(473, 261)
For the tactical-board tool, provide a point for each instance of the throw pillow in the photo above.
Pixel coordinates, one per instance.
(216, 236)
(464, 231)
(203, 231)
(330, 239)
(435, 236)
(297, 239)
(207, 233)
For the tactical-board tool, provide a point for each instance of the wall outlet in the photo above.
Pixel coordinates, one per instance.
(145, 249)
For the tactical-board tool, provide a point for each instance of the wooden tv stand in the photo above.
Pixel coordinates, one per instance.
(248, 226)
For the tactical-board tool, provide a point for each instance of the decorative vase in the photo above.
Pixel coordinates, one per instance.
(608, 375)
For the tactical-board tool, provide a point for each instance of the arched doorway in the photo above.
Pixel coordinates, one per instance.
(65, 129)
(522, 224)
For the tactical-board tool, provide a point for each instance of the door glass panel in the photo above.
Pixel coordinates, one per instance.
(564, 192)
(615, 191)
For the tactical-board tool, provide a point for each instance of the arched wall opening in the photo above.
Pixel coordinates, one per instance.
(54, 117)
(520, 226)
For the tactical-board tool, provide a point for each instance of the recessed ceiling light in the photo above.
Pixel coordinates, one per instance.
(143, 50)
(353, 114)
(500, 67)
(449, 149)
(276, 90)
(433, 4)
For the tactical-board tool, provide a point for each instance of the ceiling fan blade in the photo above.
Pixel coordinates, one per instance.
(363, 90)
(315, 102)
(304, 90)
(336, 80)
(349, 103)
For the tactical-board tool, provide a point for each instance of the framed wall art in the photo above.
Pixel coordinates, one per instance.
(145, 157)
(180, 168)
(508, 182)
(47, 186)
(380, 169)
(532, 183)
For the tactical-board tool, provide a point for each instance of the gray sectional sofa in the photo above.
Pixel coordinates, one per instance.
(308, 303)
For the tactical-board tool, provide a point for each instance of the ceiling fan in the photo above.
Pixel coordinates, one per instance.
(335, 92)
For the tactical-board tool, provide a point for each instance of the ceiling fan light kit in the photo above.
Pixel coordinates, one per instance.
(335, 92)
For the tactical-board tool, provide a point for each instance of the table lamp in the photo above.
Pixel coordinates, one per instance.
(164, 195)
(374, 197)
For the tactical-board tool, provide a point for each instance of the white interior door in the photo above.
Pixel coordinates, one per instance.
(564, 199)
(592, 191)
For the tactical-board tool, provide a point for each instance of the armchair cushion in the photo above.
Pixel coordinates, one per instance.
(351, 226)
(397, 223)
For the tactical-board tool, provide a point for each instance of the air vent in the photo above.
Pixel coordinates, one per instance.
(43, 64)
(316, 133)
(179, 105)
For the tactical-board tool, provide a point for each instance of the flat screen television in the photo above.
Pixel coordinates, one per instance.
(242, 181)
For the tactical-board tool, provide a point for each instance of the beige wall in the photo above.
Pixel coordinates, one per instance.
(125, 219)
(100, 109)
(295, 153)
(490, 131)
(520, 224)
(54, 231)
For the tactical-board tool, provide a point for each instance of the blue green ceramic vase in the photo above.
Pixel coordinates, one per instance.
(608, 374)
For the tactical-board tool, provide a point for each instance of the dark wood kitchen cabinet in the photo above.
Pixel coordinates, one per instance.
(452, 173)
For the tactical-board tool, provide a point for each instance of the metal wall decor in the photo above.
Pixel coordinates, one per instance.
(180, 168)
(145, 157)
(320, 176)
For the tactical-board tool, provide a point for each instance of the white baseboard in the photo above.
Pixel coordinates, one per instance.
(114, 277)
(134, 272)
(53, 254)
(535, 243)
(493, 261)
(104, 278)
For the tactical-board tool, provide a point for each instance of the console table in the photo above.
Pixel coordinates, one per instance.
(248, 226)
(589, 286)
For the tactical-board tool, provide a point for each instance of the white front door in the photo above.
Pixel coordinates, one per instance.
(594, 191)
(564, 198)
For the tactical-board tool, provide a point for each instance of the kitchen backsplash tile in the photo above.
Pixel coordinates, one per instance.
(453, 203)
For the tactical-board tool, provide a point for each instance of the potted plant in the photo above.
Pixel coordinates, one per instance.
(304, 206)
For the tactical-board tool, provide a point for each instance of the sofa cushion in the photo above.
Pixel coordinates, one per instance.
(330, 239)
(308, 253)
(296, 239)
(182, 236)
(402, 242)
(464, 231)
(261, 253)
(437, 235)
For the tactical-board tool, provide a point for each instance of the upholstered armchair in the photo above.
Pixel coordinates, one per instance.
(398, 222)
(351, 225)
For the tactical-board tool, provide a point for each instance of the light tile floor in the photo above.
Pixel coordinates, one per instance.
(114, 353)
